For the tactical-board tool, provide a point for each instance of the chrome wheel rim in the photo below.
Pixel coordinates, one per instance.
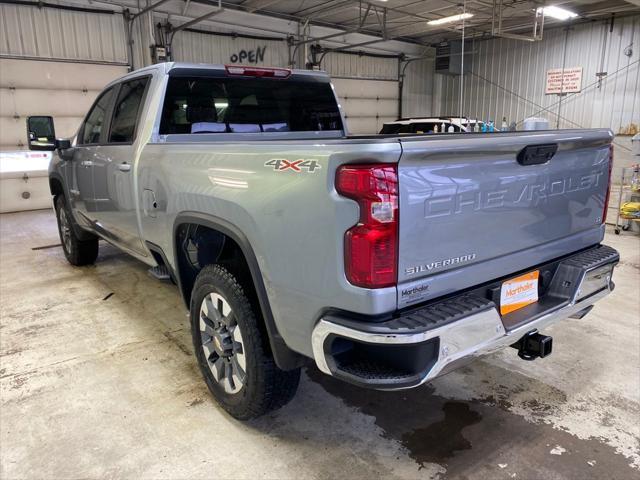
(65, 230)
(222, 343)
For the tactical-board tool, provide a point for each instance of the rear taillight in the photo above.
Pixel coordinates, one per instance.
(606, 199)
(257, 72)
(371, 246)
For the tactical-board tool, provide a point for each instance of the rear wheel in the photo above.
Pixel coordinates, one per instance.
(232, 351)
(78, 252)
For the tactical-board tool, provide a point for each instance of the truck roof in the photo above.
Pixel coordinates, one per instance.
(167, 67)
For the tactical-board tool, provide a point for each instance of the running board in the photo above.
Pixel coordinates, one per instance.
(161, 272)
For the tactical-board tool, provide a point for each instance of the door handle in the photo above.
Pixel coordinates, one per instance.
(86, 163)
(124, 167)
(537, 154)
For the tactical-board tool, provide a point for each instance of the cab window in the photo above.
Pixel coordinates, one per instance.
(96, 120)
(125, 114)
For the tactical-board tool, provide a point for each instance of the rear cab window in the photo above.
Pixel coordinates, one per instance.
(217, 104)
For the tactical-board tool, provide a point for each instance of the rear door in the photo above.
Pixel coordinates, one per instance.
(471, 212)
(113, 170)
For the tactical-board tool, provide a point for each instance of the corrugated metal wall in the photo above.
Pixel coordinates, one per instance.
(60, 34)
(508, 78)
(417, 93)
(202, 47)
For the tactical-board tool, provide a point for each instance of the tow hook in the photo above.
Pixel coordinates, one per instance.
(533, 345)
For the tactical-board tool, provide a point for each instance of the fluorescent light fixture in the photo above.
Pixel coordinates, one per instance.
(557, 13)
(451, 19)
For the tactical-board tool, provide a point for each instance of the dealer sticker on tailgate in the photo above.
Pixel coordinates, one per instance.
(519, 292)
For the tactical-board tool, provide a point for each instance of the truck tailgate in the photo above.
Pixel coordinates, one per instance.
(473, 208)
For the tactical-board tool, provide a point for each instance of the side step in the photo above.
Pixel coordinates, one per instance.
(161, 272)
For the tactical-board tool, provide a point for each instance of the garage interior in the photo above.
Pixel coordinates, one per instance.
(97, 377)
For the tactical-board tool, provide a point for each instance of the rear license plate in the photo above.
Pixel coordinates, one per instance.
(519, 292)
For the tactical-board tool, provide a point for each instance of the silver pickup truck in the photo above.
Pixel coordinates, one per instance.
(388, 260)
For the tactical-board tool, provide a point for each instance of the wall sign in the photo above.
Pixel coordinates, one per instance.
(567, 81)
(249, 56)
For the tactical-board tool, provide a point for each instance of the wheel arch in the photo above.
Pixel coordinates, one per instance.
(56, 186)
(284, 357)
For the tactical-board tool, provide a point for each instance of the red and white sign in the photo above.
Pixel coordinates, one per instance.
(567, 81)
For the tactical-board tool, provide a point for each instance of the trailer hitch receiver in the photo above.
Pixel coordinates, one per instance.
(533, 345)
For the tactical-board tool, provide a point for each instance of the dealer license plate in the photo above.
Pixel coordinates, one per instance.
(519, 292)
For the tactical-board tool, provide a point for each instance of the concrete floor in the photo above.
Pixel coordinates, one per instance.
(97, 379)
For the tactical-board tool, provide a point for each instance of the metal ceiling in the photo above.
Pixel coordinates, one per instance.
(381, 26)
(407, 19)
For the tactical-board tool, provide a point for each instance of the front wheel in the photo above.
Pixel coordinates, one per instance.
(231, 349)
(78, 252)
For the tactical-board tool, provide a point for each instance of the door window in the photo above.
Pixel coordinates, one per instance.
(125, 115)
(93, 125)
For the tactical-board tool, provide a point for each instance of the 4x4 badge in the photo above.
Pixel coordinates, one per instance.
(298, 166)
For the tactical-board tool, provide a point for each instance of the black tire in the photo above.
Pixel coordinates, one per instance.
(264, 387)
(78, 251)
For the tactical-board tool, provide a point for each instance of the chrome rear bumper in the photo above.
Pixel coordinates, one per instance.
(444, 344)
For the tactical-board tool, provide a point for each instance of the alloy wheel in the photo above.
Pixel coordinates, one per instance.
(65, 230)
(222, 343)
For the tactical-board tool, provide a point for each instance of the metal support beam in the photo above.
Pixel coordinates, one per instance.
(148, 9)
(252, 6)
(196, 20)
(330, 9)
(498, 31)
(363, 18)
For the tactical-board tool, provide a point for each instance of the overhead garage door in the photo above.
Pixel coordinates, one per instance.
(63, 90)
(367, 86)
(367, 103)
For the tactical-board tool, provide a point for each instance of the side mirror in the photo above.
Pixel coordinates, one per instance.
(41, 134)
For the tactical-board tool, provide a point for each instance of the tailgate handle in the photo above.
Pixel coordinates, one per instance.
(537, 154)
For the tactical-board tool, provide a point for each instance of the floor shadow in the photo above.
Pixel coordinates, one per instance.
(479, 438)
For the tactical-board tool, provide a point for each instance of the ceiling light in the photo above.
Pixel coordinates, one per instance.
(557, 13)
(451, 19)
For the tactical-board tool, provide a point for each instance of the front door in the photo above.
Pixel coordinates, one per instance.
(83, 158)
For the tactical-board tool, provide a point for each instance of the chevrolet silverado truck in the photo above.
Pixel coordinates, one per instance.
(388, 260)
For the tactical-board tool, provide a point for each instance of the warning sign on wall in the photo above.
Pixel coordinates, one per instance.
(567, 81)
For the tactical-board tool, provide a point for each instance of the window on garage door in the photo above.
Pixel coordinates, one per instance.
(95, 121)
(127, 110)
